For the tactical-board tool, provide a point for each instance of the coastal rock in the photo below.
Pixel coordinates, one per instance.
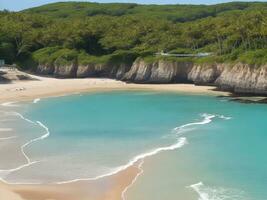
(204, 74)
(45, 69)
(84, 71)
(92, 70)
(158, 72)
(119, 70)
(66, 71)
(243, 78)
(237, 78)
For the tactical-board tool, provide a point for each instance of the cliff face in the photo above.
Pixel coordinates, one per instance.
(204, 74)
(242, 78)
(45, 69)
(119, 70)
(91, 70)
(238, 78)
(66, 71)
(158, 72)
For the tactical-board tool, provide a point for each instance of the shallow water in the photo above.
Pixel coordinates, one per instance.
(193, 147)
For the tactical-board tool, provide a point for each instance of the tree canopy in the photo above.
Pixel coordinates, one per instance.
(94, 32)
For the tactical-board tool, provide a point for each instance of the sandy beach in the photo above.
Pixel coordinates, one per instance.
(46, 87)
(109, 188)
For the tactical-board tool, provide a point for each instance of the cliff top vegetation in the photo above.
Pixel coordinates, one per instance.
(102, 33)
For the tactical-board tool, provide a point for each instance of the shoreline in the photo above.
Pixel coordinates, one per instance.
(51, 87)
(83, 190)
(34, 90)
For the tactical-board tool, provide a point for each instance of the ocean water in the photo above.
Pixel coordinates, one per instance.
(189, 147)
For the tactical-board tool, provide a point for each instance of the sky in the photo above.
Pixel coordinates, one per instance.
(16, 5)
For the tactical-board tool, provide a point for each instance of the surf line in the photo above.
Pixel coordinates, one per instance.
(209, 193)
(9, 104)
(8, 138)
(141, 171)
(207, 119)
(5, 172)
(181, 141)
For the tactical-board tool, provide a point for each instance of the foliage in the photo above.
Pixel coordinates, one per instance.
(257, 57)
(63, 33)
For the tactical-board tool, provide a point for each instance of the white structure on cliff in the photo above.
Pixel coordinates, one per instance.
(184, 55)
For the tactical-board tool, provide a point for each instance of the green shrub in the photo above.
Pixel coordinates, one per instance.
(57, 55)
(46, 55)
(256, 57)
(65, 56)
(85, 59)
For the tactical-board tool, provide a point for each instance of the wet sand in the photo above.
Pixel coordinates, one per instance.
(108, 188)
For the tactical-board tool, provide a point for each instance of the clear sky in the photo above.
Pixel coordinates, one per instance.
(16, 5)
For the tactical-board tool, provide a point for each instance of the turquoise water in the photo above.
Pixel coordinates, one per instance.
(193, 147)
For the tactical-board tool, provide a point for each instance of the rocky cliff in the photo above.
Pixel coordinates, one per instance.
(237, 78)
(204, 74)
(158, 72)
(242, 78)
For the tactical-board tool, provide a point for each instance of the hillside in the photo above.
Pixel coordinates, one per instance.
(94, 33)
(174, 13)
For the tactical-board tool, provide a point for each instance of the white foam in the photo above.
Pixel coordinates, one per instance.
(181, 129)
(35, 140)
(9, 104)
(202, 195)
(212, 193)
(36, 100)
(207, 119)
(5, 172)
(141, 171)
(8, 138)
(21, 116)
(180, 142)
(224, 117)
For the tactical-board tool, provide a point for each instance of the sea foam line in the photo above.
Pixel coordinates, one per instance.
(139, 158)
(5, 172)
(8, 138)
(34, 140)
(21, 116)
(9, 104)
(141, 171)
(207, 119)
(180, 142)
(211, 193)
(202, 195)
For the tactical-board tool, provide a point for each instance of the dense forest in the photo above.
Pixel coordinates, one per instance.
(102, 33)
